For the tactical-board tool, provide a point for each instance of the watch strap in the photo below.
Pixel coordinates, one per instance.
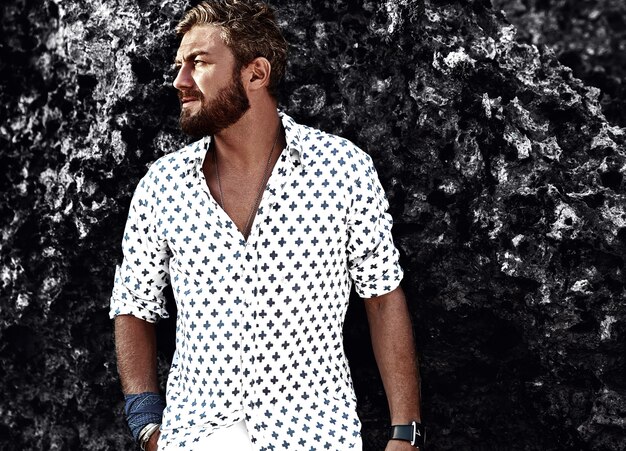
(413, 433)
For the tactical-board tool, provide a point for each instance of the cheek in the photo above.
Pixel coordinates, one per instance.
(204, 82)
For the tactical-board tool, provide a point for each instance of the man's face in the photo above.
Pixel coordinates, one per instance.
(209, 86)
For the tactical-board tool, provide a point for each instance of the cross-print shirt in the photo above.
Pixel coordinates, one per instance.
(259, 325)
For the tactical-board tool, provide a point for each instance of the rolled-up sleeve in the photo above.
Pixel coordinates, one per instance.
(373, 260)
(144, 271)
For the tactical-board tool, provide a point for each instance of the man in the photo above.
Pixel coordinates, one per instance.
(261, 227)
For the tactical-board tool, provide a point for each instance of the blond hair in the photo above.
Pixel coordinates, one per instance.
(249, 30)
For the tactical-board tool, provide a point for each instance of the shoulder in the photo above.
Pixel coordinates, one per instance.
(181, 159)
(323, 149)
(176, 165)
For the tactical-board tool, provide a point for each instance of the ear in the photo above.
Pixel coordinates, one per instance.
(256, 75)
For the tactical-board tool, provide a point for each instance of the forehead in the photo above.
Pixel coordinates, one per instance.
(202, 38)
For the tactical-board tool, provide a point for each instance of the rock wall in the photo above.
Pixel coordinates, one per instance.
(504, 175)
(587, 36)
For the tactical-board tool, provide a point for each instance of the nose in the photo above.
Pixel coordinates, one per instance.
(183, 79)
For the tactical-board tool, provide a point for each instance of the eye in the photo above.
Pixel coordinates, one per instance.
(197, 62)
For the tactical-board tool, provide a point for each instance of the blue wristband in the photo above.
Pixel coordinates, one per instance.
(142, 409)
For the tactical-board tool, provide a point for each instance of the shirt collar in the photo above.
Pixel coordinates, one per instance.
(293, 137)
(197, 152)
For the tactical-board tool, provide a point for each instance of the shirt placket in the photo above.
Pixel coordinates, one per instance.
(239, 277)
(254, 300)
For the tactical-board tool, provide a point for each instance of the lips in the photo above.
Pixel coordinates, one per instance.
(187, 97)
(185, 100)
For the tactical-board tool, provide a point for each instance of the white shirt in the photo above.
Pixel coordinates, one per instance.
(259, 332)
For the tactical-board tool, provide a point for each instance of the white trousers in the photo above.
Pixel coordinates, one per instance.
(233, 438)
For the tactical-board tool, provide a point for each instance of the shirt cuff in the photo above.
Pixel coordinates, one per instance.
(380, 284)
(124, 302)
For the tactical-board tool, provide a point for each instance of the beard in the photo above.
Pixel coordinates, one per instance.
(217, 114)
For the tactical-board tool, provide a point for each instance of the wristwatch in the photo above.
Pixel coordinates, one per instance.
(414, 433)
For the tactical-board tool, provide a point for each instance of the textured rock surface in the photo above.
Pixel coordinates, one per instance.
(587, 36)
(505, 179)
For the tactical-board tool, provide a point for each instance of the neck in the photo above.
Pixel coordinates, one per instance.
(246, 144)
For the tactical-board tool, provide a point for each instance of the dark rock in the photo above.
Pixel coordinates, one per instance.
(503, 174)
(589, 37)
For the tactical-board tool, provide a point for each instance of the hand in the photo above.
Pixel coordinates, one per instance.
(399, 445)
(152, 443)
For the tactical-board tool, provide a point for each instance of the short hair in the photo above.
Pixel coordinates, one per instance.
(249, 29)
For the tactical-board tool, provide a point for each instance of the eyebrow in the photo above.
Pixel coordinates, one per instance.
(191, 56)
